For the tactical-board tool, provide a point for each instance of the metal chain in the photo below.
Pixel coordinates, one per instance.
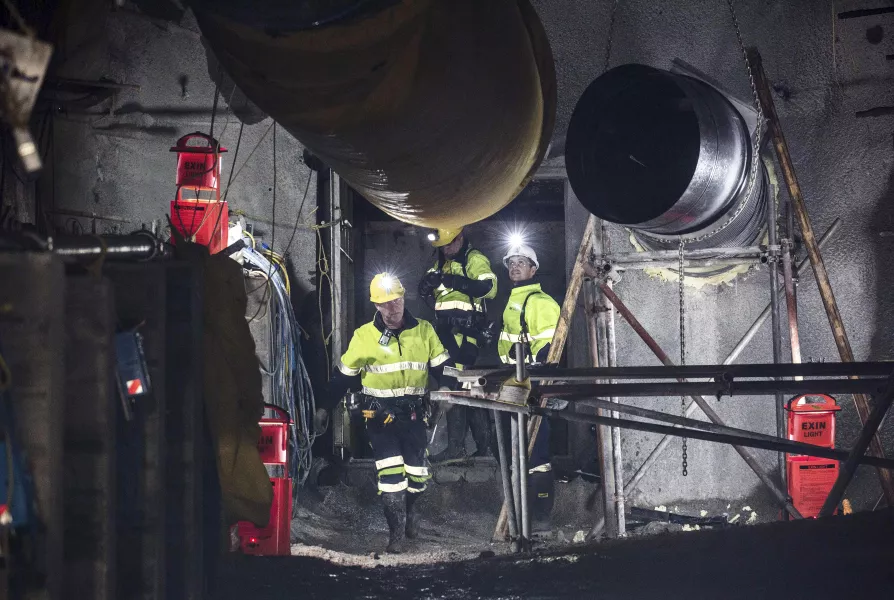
(755, 138)
(683, 353)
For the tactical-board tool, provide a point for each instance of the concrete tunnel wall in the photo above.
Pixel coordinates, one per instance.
(119, 165)
(116, 163)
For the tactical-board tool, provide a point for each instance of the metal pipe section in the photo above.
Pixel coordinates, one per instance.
(790, 300)
(666, 417)
(723, 373)
(524, 523)
(516, 505)
(715, 389)
(617, 465)
(770, 441)
(455, 398)
(667, 156)
(138, 246)
(776, 328)
(504, 472)
(523, 478)
(606, 462)
(439, 113)
(595, 318)
(721, 438)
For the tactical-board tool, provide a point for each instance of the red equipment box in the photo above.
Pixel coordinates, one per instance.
(809, 481)
(274, 443)
(202, 222)
(811, 420)
(273, 538)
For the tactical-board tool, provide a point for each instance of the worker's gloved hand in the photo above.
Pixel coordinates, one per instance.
(456, 282)
(428, 283)
(449, 280)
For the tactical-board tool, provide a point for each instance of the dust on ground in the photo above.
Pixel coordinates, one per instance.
(346, 526)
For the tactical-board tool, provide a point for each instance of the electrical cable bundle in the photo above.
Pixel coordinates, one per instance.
(290, 381)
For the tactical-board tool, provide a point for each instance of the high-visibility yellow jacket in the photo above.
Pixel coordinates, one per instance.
(541, 317)
(396, 365)
(477, 267)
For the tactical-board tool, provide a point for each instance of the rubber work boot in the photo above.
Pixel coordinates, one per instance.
(412, 529)
(396, 515)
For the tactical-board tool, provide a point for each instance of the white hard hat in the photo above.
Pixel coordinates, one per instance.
(521, 250)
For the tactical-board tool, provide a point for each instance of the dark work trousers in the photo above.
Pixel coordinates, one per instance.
(541, 482)
(462, 418)
(400, 449)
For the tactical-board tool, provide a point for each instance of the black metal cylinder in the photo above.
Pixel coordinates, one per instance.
(668, 156)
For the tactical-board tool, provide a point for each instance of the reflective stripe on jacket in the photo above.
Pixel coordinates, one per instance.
(477, 268)
(542, 316)
(399, 368)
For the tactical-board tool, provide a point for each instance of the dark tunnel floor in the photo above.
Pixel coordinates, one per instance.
(842, 557)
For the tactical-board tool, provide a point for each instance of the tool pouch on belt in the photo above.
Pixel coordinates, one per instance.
(380, 417)
(387, 412)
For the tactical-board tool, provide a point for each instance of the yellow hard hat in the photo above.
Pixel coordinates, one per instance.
(443, 236)
(385, 287)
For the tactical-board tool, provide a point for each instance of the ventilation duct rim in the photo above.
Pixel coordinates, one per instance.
(716, 235)
(683, 117)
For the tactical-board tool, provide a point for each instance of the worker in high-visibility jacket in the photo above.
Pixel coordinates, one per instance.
(390, 359)
(531, 317)
(460, 282)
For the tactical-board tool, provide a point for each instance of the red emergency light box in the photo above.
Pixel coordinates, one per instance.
(272, 539)
(202, 222)
(812, 420)
(198, 165)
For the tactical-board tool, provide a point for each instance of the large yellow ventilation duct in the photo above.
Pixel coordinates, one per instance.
(437, 111)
